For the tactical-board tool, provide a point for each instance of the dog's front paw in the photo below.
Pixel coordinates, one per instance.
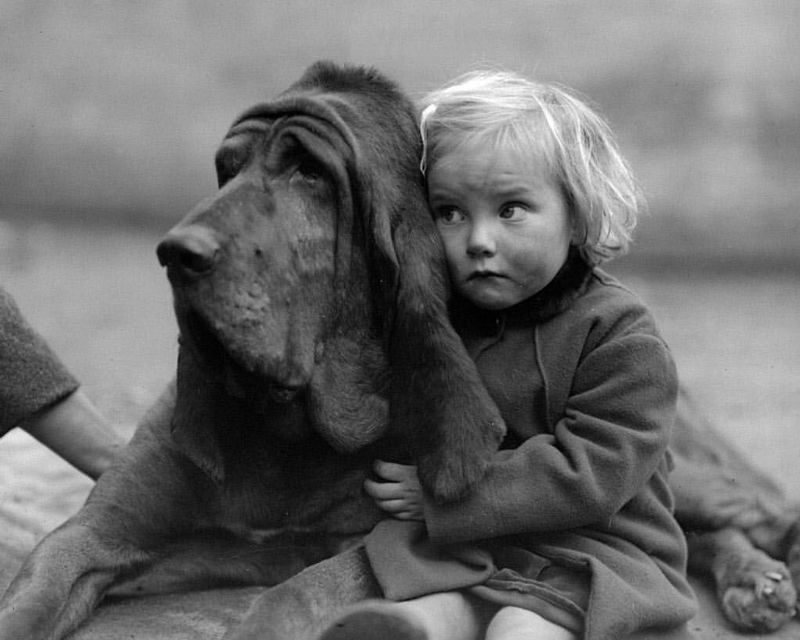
(756, 593)
(451, 468)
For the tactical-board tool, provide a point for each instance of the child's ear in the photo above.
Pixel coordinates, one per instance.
(577, 231)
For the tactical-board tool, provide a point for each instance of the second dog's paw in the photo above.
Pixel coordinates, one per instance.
(759, 595)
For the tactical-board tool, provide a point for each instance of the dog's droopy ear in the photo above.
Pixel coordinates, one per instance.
(437, 399)
(192, 422)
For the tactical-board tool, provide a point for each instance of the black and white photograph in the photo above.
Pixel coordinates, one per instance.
(399, 320)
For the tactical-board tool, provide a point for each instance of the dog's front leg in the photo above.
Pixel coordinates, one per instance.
(300, 607)
(60, 583)
(149, 495)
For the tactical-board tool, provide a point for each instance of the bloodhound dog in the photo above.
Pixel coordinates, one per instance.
(314, 266)
(310, 294)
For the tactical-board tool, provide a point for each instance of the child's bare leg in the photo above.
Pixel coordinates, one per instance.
(440, 616)
(513, 623)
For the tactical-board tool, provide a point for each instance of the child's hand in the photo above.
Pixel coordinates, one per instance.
(399, 493)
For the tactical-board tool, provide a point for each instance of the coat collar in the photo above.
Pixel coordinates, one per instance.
(567, 286)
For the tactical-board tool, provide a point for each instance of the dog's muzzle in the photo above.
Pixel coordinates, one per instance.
(188, 253)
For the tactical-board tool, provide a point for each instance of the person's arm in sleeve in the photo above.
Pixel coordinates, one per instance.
(39, 394)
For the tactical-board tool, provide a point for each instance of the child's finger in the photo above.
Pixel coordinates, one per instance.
(393, 471)
(383, 490)
(406, 515)
(395, 507)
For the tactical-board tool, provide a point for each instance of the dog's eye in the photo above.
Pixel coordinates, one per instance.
(308, 170)
(228, 164)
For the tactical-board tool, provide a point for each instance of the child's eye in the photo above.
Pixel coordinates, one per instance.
(513, 211)
(449, 215)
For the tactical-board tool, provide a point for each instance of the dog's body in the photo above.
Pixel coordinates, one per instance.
(313, 268)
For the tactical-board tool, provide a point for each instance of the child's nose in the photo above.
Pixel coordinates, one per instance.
(481, 241)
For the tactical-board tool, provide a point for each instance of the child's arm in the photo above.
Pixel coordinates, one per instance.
(610, 441)
(583, 472)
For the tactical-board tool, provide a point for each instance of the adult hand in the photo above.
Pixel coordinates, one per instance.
(399, 492)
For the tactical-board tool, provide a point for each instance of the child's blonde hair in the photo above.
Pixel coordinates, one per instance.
(543, 119)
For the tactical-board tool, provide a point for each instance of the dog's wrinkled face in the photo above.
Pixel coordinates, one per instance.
(311, 293)
(253, 267)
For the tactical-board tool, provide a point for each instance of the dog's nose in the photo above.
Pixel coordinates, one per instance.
(189, 252)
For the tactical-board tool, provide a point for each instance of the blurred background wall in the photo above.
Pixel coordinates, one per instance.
(110, 111)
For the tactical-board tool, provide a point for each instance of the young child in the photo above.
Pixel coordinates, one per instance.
(570, 534)
(38, 394)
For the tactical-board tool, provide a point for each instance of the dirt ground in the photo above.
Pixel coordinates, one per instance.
(101, 300)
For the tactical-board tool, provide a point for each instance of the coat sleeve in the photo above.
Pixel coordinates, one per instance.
(31, 376)
(603, 447)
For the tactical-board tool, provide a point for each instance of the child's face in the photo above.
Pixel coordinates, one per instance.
(504, 222)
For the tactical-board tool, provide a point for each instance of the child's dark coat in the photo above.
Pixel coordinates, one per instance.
(588, 390)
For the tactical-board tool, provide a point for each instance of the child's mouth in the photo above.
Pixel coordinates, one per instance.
(484, 275)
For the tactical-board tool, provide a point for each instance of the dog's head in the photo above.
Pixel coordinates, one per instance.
(284, 281)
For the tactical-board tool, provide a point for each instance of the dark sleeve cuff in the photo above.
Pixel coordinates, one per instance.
(31, 375)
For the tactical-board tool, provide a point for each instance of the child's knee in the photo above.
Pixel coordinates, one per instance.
(513, 623)
(439, 616)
